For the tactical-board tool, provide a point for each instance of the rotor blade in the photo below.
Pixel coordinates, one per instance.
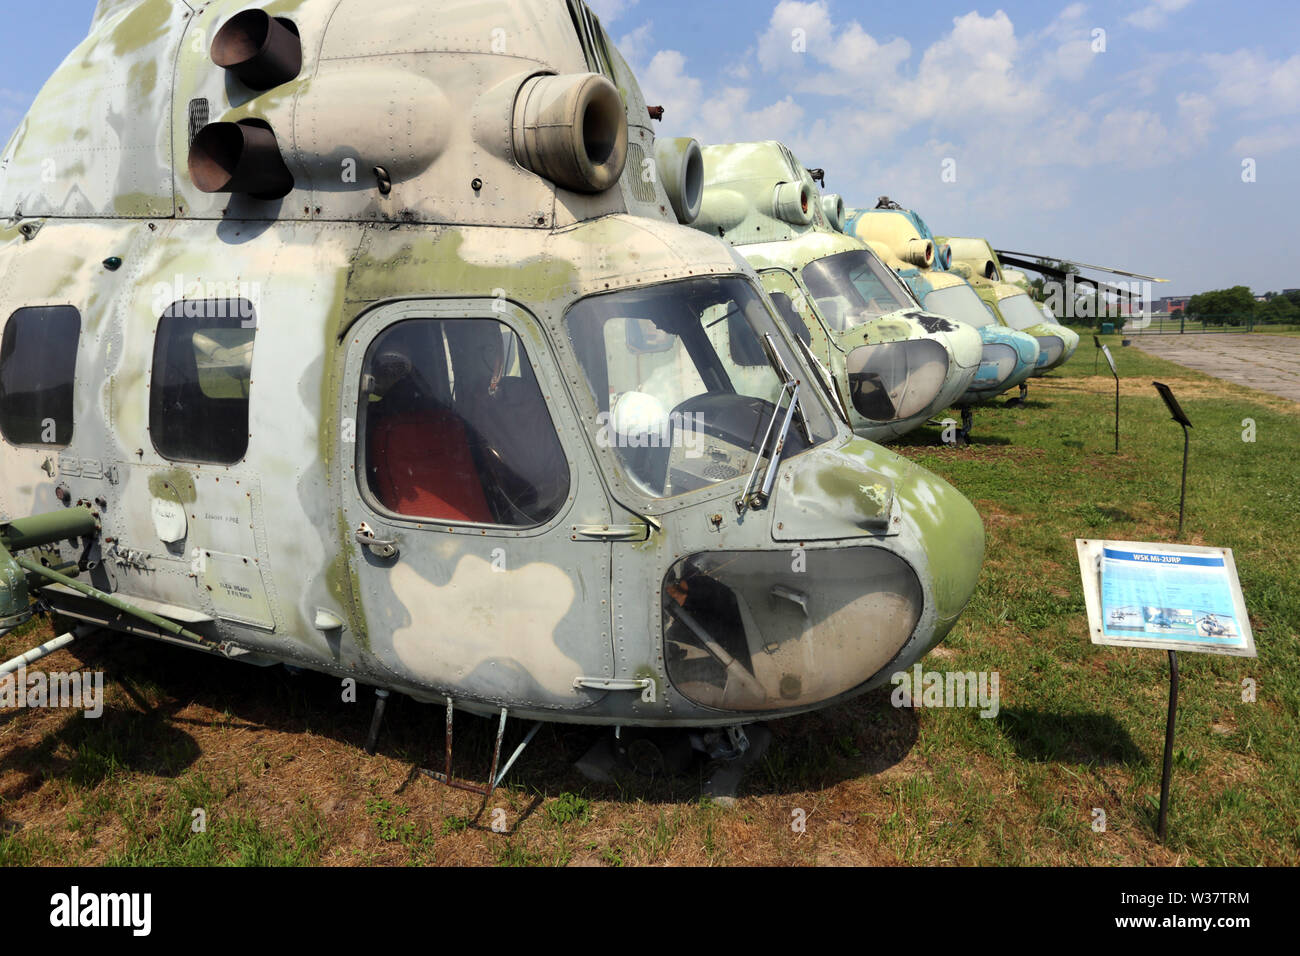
(1027, 260)
(1080, 281)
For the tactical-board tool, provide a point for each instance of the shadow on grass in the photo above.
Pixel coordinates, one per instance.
(930, 438)
(150, 726)
(86, 751)
(1083, 738)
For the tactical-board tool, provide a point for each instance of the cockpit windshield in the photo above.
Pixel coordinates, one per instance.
(683, 386)
(854, 287)
(962, 303)
(1020, 312)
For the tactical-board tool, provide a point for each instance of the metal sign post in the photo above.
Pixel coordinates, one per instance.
(1110, 360)
(1172, 597)
(1096, 340)
(1168, 770)
(1181, 418)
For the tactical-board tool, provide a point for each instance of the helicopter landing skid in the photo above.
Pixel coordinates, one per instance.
(494, 776)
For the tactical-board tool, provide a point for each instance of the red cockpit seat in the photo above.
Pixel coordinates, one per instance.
(421, 465)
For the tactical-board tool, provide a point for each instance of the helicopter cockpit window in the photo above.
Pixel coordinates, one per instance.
(38, 360)
(785, 308)
(962, 303)
(851, 288)
(202, 375)
(692, 412)
(1020, 312)
(456, 427)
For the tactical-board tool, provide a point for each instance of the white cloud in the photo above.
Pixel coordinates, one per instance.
(722, 116)
(970, 74)
(1275, 139)
(1251, 81)
(610, 10)
(1154, 15)
(635, 44)
(794, 31)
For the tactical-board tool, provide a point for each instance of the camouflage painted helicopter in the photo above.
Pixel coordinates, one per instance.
(353, 335)
(887, 363)
(985, 272)
(902, 239)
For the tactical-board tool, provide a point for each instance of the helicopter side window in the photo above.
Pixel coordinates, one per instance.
(38, 361)
(456, 427)
(202, 374)
(790, 303)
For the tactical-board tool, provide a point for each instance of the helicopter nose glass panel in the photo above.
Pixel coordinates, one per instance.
(456, 427)
(896, 380)
(997, 362)
(202, 373)
(851, 288)
(1051, 348)
(38, 360)
(681, 382)
(743, 632)
(1020, 311)
(962, 303)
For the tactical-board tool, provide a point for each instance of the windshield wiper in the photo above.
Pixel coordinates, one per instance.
(787, 378)
(824, 380)
(749, 498)
(789, 386)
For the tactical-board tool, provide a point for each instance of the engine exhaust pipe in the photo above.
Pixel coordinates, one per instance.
(571, 130)
(261, 50)
(681, 170)
(239, 157)
(919, 252)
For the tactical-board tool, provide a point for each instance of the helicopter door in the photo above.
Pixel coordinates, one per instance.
(470, 496)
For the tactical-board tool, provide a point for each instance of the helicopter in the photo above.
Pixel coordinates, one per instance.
(1210, 626)
(371, 338)
(981, 259)
(888, 364)
(902, 239)
(975, 260)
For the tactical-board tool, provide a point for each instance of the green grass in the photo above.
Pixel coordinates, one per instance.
(1086, 723)
(1167, 324)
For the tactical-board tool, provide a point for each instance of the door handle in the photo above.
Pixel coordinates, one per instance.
(602, 532)
(379, 547)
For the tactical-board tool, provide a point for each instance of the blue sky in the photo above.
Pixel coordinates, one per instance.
(1131, 155)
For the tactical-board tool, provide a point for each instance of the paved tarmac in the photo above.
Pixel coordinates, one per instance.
(1270, 363)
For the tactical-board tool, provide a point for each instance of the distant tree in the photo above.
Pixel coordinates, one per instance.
(1233, 306)
(1278, 309)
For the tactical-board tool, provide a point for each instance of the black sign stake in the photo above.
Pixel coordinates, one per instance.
(1180, 417)
(1110, 360)
(1096, 340)
(1169, 745)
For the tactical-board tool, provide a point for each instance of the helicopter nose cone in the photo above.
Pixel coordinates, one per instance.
(946, 537)
(893, 381)
(1071, 340)
(883, 556)
(902, 382)
(1008, 358)
(1057, 344)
